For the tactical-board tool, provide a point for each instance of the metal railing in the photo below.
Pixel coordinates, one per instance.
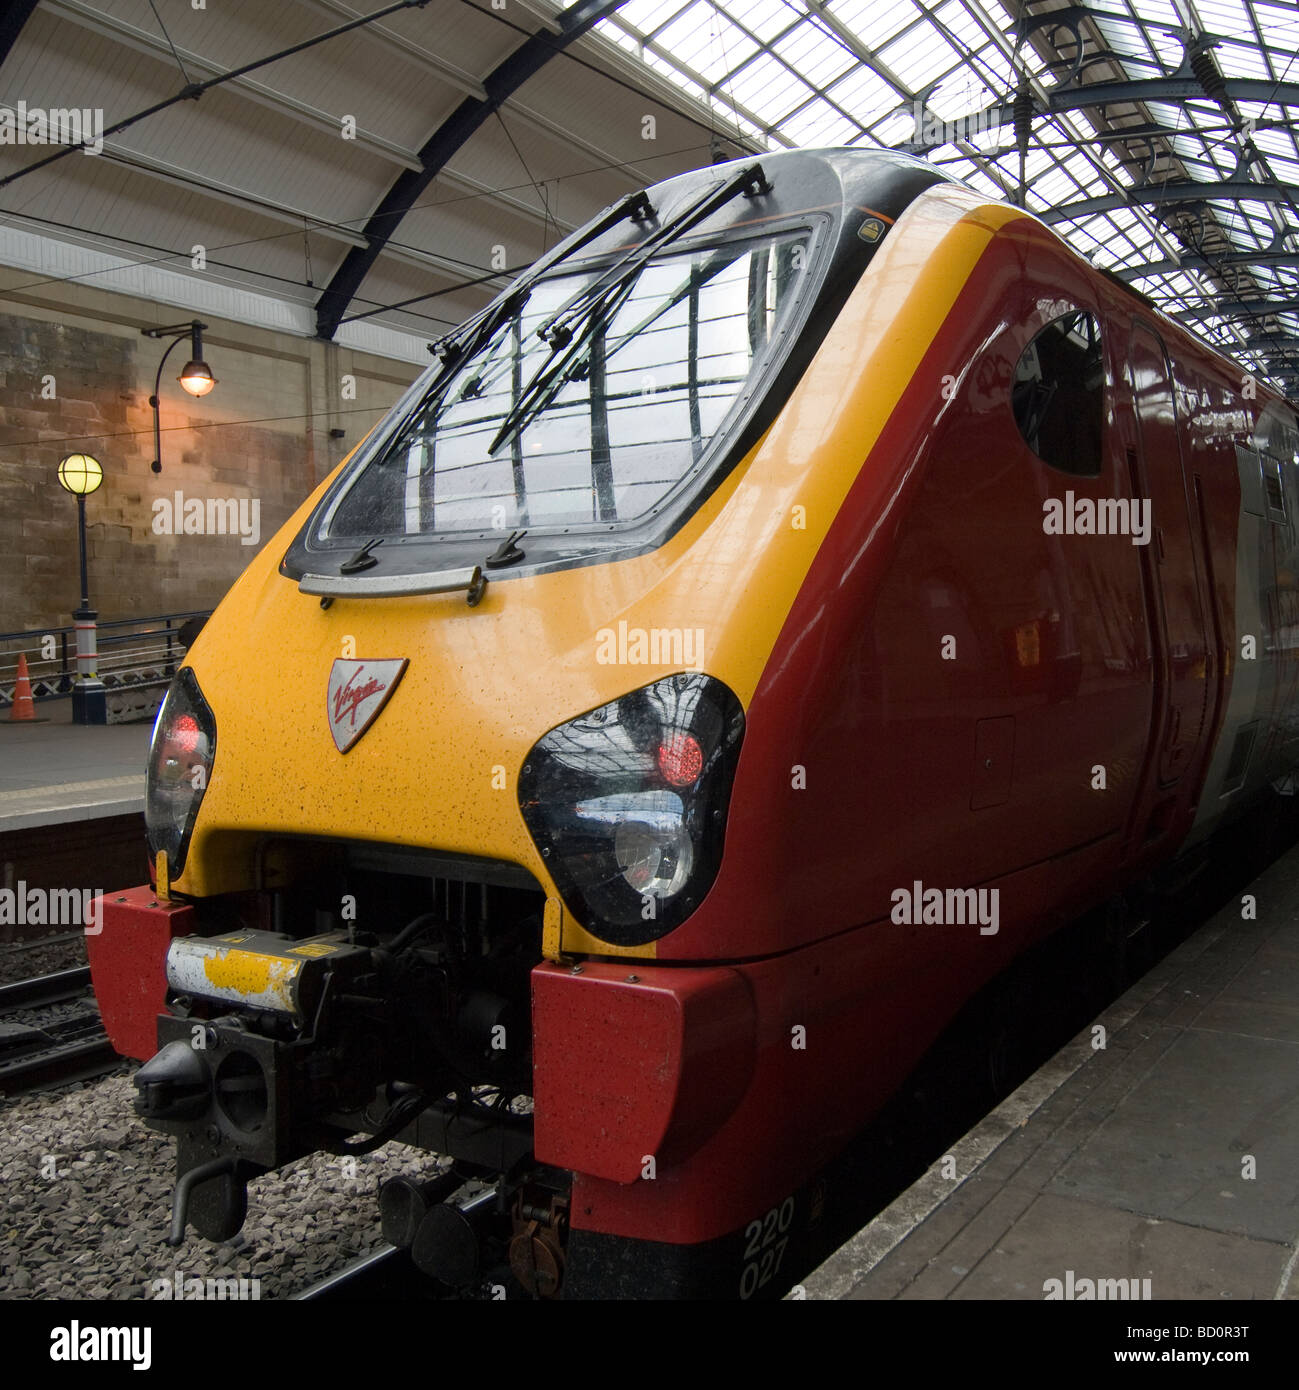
(134, 653)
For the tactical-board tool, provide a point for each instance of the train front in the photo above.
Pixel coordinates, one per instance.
(440, 807)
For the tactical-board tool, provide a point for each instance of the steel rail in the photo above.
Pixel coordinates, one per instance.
(44, 989)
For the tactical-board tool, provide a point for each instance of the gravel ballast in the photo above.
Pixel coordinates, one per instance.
(26, 960)
(85, 1200)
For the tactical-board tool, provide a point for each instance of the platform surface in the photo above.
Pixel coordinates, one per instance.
(1132, 1161)
(55, 771)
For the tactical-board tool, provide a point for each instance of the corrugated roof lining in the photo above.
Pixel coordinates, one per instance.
(259, 172)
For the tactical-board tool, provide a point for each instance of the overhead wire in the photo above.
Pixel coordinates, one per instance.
(194, 90)
(319, 224)
(169, 254)
(375, 410)
(170, 45)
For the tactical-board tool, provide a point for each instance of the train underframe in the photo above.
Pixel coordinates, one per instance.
(383, 994)
(597, 1128)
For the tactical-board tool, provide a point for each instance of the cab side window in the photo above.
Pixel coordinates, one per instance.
(1058, 395)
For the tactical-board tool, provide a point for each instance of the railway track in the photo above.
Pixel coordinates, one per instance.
(44, 989)
(38, 1053)
(389, 1275)
(37, 943)
(385, 1273)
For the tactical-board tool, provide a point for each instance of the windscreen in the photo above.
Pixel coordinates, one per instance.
(650, 372)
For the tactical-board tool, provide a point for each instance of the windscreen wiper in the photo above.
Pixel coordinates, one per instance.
(591, 308)
(695, 281)
(487, 379)
(507, 553)
(470, 336)
(463, 340)
(551, 379)
(559, 328)
(362, 560)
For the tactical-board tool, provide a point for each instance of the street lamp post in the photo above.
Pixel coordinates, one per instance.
(81, 475)
(196, 377)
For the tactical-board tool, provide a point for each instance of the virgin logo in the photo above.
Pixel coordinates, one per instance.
(351, 695)
(358, 690)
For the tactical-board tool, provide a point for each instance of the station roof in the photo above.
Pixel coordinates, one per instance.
(380, 183)
(1157, 136)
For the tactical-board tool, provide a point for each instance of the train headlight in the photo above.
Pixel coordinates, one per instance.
(628, 804)
(180, 764)
(654, 859)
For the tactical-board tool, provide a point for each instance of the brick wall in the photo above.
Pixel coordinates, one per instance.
(262, 433)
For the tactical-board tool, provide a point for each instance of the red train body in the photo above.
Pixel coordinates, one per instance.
(1040, 649)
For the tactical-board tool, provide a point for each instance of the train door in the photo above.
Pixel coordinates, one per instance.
(1181, 651)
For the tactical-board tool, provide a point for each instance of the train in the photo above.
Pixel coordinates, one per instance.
(805, 589)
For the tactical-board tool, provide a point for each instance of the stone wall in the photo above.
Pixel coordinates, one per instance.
(76, 377)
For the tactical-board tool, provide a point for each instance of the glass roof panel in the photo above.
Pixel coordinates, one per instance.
(866, 96)
(959, 23)
(706, 41)
(819, 56)
(874, 24)
(1238, 60)
(819, 124)
(764, 19)
(1158, 11)
(848, 71)
(1279, 23)
(919, 57)
(646, 15)
(767, 87)
(1223, 16)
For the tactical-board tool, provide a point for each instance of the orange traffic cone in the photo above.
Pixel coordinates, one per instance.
(23, 706)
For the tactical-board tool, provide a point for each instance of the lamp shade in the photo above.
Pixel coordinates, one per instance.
(80, 474)
(197, 377)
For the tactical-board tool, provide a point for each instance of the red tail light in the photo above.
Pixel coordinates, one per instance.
(680, 759)
(180, 764)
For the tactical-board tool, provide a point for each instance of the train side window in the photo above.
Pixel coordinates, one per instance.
(1249, 468)
(1273, 490)
(1058, 394)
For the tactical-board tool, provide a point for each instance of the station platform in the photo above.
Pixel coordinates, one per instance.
(1170, 1154)
(71, 814)
(53, 772)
